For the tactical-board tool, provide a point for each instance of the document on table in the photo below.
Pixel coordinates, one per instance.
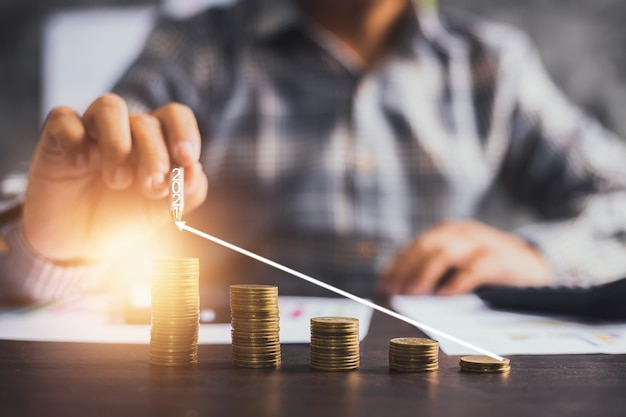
(506, 333)
(90, 319)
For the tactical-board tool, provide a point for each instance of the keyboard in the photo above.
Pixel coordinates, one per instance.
(606, 302)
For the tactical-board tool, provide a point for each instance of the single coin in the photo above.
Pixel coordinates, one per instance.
(414, 341)
(429, 368)
(484, 364)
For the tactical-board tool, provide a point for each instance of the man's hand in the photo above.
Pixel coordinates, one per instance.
(457, 257)
(99, 182)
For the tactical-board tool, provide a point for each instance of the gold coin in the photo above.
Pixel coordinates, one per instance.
(175, 312)
(484, 364)
(334, 320)
(337, 342)
(334, 343)
(333, 368)
(165, 362)
(256, 356)
(255, 321)
(413, 354)
(255, 303)
(257, 348)
(484, 361)
(257, 365)
(409, 355)
(414, 341)
(487, 370)
(255, 330)
(334, 361)
(174, 348)
(255, 325)
(407, 369)
(324, 362)
(174, 339)
(413, 361)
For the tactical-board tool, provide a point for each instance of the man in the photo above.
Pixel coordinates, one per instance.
(351, 140)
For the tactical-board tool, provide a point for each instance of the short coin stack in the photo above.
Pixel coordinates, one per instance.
(335, 343)
(255, 326)
(484, 364)
(413, 354)
(175, 312)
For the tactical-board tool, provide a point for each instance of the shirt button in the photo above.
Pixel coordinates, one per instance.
(366, 250)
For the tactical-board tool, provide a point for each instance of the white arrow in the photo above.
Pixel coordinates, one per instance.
(182, 226)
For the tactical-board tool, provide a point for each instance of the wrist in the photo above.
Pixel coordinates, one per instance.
(542, 271)
(24, 275)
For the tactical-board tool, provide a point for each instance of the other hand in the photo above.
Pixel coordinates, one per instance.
(457, 257)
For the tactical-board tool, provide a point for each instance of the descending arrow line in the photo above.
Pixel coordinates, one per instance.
(183, 226)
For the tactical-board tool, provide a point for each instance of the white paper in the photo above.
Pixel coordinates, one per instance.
(89, 319)
(505, 333)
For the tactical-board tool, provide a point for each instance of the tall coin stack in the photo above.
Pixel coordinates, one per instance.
(335, 343)
(413, 354)
(175, 312)
(255, 326)
(484, 364)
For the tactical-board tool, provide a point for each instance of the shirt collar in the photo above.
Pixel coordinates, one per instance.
(273, 17)
(424, 26)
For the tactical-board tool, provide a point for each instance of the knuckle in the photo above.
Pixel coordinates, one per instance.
(175, 112)
(60, 113)
(110, 101)
(480, 268)
(144, 120)
(58, 116)
(176, 109)
(448, 255)
(59, 124)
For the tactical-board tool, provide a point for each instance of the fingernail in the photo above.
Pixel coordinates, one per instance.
(193, 177)
(123, 177)
(186, 151)
(156, 181)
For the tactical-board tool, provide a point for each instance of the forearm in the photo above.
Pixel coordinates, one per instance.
(570, 170)
(589, 249)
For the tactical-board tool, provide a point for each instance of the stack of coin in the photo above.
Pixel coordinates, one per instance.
(413, 354)
(175, 312)
(335, 343)
(255, 326)
(484, 364)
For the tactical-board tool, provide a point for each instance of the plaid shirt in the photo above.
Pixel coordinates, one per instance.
(331, 169)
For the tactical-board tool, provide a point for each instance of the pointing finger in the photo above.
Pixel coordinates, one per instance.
(181, 133)
(152, 156)
(107, 124)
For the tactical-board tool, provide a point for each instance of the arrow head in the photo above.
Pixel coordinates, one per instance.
(180, 225)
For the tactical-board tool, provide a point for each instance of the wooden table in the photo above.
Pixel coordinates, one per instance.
(86, 380)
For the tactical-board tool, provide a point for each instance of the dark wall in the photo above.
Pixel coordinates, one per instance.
(21, 24)
(581, 41)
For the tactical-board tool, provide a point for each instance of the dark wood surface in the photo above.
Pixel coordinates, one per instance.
(77, 379)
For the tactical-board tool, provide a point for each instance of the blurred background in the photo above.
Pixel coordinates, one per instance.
(61, 52)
